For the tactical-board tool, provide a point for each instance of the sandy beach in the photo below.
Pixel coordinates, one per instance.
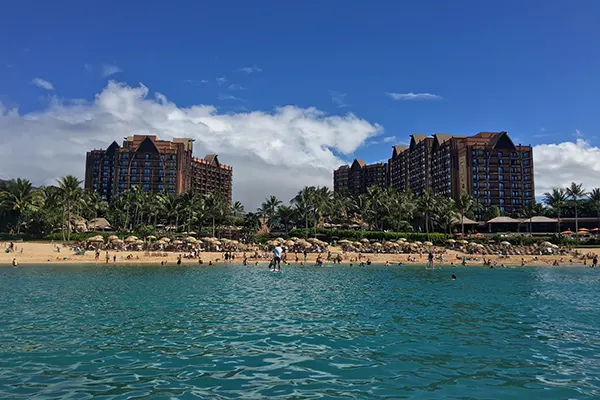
(29, 253)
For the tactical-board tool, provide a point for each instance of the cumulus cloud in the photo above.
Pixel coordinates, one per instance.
(42, 84)
(272, 152)
(557, 165)
(221, 80)
(413, 96)
(250, 70)
(109, 69)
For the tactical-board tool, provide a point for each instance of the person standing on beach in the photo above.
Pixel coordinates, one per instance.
(277, 251)
(430, 259)
(107, 257)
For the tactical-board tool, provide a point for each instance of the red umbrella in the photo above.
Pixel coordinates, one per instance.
(567, 232)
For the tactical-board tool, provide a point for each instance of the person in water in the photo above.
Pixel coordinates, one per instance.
(453, 277)
(277, 251)
(430, 259)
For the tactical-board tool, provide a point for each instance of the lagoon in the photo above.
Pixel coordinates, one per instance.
(234, 332)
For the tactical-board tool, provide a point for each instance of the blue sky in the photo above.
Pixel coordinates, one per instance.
(527, 67)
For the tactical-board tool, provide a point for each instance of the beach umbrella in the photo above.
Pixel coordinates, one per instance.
(377, 244)
(217, 243)
(294, 238)
(428, 244)
(344, 241)
(151, 237)
(356, 244)
(131, 239)
(177, 242)
(190, 239)
(117, 241)
(364, 240)
(280, 239)
(96, 239)
(505, 243)
(165, 239)
(289, 243)
(139, 242)
(546, 244)
(418, 243)
(450, 241)
(113, 237)
(464, 241)
(567, 232)
(313, 240)
(192, 233)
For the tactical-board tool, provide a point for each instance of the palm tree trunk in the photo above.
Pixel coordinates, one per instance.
(558, 213)
(576, 225)
(462, 223)
(68, 220)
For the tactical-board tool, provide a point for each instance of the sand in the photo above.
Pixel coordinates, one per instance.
(29, 253)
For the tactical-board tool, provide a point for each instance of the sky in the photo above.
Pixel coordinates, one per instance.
(287, 91)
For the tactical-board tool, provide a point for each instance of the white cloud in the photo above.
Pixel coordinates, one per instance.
(223, 96)
(196, 81)
(339, 98)
(578, 134)
(108, 70)
(272, 152)
(221, 80)
(250, 70)
(389, 139)
(235, 86)
(557, 165)
(39, 82)
(413, 96)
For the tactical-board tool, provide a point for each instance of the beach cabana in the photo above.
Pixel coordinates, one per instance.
(100, 224)
(495, 224)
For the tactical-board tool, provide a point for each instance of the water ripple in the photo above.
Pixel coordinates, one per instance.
(231, 332)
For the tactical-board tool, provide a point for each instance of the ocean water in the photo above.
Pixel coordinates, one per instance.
(233, 332)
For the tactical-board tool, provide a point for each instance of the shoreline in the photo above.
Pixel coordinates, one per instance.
(44, 253)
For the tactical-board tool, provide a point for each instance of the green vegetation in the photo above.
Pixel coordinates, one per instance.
(55, 212)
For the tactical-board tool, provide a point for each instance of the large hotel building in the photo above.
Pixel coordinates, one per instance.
(155, 166)
(487, 166)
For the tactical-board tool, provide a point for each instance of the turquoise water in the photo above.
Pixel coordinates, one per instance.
(347, 333)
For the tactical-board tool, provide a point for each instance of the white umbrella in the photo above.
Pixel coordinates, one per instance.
(505, 243)
(428, 244)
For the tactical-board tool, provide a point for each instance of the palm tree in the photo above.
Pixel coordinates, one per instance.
(427, 204)
(575, 192)
(375, 204)
(17, 197)
(252, 222)
(594, 201)
(556, 199)
(446, 214)
(285, 216)
(268, 209)
(70, 190)
(464, 205)
(237, 209)
(303, 203)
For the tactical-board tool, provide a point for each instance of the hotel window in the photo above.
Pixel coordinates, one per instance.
(501, 162)
(525, 154)
(501, 201)
(526, 163)
(161, 172)
(499, 154)
(526, 178)
(147, 156)
(527, 194)
(501, 194)
(171, 187)
(172, 157)
(123, 163)
(121, 186)
(134, 163)
(146, 186)
(123, 171)
(147, 164)
(172, 172)
(146, 179)
(134, 171)
(513, 155)
(160, 187)
(501, 185)
(124, 155)
(133, 179)
(172, 180)
(171, 164)
(500, 177)
(526, 170)
(527, 202)
(146, 172)
(527, 186)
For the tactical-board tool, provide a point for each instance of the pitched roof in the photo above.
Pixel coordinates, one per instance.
(503, 220)
(359, 162)
(397, 150)
(212, 159)
(147, 146)
(465, 221)
(539, 219)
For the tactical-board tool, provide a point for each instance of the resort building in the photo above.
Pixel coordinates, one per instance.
(155, 165)
(487, 166)
(359, 177)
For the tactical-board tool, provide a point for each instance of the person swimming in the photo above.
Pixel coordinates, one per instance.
(453, 277)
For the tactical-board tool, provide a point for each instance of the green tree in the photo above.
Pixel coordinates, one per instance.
(17, 197)
(70, 189)
(594, 202)
(465, 205)
(575, 193)
(557, 200)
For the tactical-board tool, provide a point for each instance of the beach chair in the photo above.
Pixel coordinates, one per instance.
(80, 252)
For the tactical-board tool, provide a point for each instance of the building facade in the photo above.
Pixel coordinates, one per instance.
(359, 177)
(488, 166)
(155, 166)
